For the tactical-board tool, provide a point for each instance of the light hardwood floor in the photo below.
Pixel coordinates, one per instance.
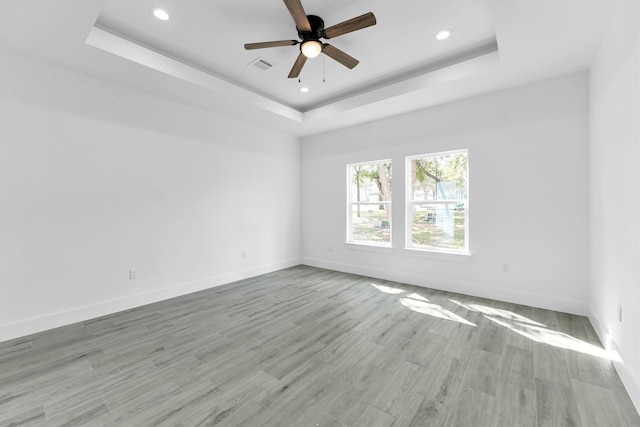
(311, 347)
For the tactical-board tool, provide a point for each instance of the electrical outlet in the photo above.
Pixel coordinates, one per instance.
(133, 274)
(506, 268)
(330, 248)
(620, 313)
(245, 253)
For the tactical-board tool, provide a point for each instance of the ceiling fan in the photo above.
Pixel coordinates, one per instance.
(311, 30)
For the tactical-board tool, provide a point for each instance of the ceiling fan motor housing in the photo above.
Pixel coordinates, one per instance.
(317, 29)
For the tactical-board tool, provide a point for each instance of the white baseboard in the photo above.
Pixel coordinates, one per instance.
(629, 379)
(473, 289)
(63, 318)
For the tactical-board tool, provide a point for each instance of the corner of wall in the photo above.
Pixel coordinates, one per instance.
(629, 379)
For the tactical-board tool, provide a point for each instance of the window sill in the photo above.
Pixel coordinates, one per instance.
(368, 247)
(439, 255)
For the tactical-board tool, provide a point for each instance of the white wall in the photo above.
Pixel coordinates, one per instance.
(528, 194)
(96, 179)
(614, 184)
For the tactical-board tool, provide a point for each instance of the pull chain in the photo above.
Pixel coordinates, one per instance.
(323, 80)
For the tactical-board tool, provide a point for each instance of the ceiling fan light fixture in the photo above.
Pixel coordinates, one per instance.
(310, 30)
(311, 48)
(444, 34)
(160, 13)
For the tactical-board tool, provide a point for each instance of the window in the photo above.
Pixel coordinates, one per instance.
(438, 202)
(369, 204)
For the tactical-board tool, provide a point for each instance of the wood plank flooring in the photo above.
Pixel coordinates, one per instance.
(311, 347)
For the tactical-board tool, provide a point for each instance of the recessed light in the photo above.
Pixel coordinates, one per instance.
(304, 89)
(444, 34)
(159, 13)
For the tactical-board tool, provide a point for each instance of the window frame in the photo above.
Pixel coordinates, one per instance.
(411, 203)
(351, 204)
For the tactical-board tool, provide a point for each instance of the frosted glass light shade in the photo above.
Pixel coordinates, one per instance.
(311, 48)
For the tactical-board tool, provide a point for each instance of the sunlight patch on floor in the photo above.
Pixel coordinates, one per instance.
(417, 297)
(497, 313)
(538, 332)
(557, 339)
(433, 310)
(387, 289)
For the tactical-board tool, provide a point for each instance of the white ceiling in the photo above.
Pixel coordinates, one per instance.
(197, 57)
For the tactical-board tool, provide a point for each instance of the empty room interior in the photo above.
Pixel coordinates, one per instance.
(320, 213)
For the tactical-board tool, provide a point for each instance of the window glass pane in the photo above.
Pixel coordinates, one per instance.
(438, 226)
(439, 177)
(370, 182)
(371, 223)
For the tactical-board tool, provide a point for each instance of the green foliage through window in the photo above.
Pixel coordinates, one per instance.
(438, 202)
(369, 216)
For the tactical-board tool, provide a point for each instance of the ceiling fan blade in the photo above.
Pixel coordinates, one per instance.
(262, 45)
(354, 24)
(298, 14)
(335, 53)
(297, 66)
